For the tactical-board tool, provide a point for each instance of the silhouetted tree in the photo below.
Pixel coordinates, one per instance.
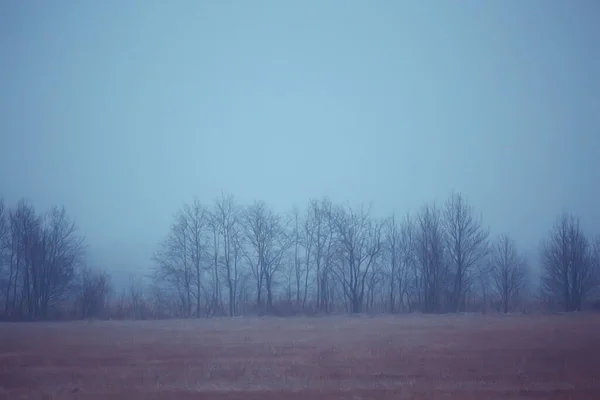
(308, 232)
(196, 220)
(53, 252)
(507, 271)
(391, 257)
(567, 263)
(136, 299)
(5, 246)
(430, 254)
(227, 219)
(320, 237)
(92, 293)
(267, 243)
(39, 257)
(398, 257)
(358, 247)
(300, 264)
(179, 258)
(466, 247)
(595, 273)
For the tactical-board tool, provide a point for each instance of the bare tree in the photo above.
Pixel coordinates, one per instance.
(414, 286)
(23, 225)
(507, 271)
(596, 257)
(358, 247)
(268, 242)
(163, 301)
(4, 228)
(302, 236)
(46, 252)
(375, 278)
(227, 219)
(392, 252)
(195, 219)
(430, 254)
(308, 236)
(215, 305)
(407, 259)
(255, 226)
(567, 264)
(320, 244)
(4, 251)
(595, 273)
(42, 254)
(93, 290)
(482, 288)
(136, 298)
(298, 266)
(119, 306)
(397, 260)
(174, 266)
(466, 245)
(244, 291)
(179, 258)
(63, 253)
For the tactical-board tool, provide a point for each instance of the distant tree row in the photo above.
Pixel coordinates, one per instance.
(230, 259)
(224, 258)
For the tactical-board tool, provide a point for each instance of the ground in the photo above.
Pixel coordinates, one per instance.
(386, 357)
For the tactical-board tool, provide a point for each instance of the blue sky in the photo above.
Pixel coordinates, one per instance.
(123, 110)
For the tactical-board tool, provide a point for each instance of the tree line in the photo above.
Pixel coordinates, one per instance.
(228, 259)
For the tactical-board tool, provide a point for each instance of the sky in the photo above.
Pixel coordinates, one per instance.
(123, 110)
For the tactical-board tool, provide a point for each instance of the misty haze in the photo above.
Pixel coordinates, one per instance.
(299, 200)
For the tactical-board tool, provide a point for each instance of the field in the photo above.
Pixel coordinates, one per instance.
(387, 357)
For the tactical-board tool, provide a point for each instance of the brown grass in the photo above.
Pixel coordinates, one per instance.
(405, 357)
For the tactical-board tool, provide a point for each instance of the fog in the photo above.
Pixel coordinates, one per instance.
(125, 111)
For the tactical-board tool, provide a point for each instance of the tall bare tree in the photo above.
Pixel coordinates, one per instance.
(393, 262)
(430, 254)
(179, 259)
(63, 249)
(268, 242)
(595, 273)
(227, 218)
(567, 264)
(466, 245)
(407, 259)
(174, 266)
(256, 233)
(195, 219)
(308, 239)
(216, 298)
(23, 223)
(507, 272)
(320, 244)
(298, 266)
(358, 247)
(414, 287)
(302, 236)
(4, 250)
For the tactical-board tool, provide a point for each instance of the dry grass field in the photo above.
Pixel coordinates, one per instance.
(403, 357)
